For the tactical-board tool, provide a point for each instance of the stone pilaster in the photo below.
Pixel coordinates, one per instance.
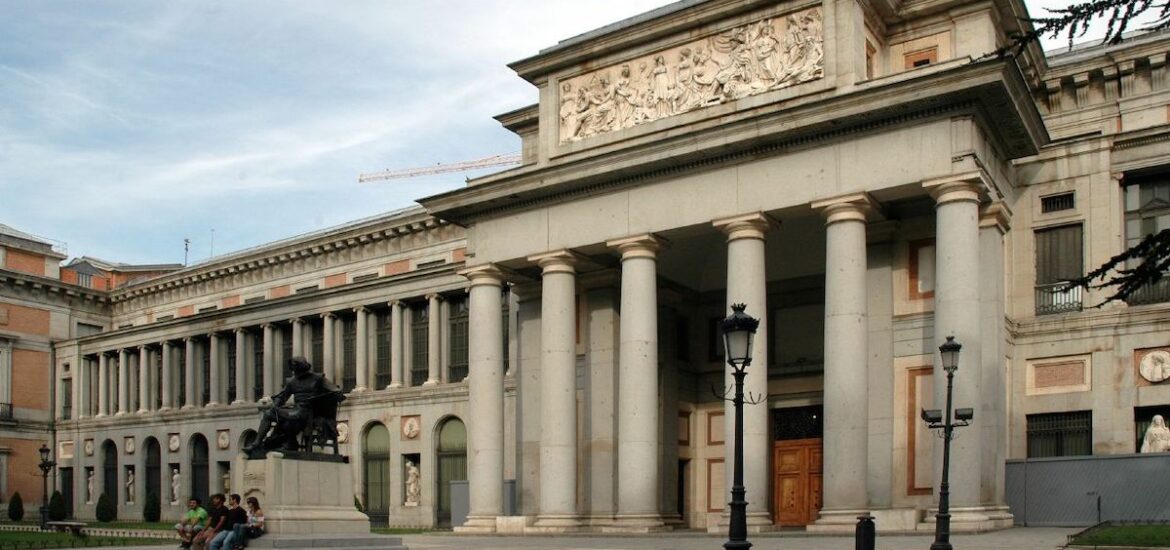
(166, 371)
(145, 398)
(215, 381)
(328, 364)
(190, 398)
(243, 367)
(81, 398)
(123, 382)
(103, 384)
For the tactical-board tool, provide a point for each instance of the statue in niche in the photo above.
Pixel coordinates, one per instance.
(413, 484)
(311, 420)
(175, 483)
(129, 486)
(227, 483)
(89, 487)
(1157, 438)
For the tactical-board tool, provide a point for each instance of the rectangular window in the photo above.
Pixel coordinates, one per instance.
(181, 361)
(457, 341)
(922, 58)
(206, 373)
(317, 344)
(922, 269)
(348, 353)
(208, 308)
(1060, 434)
(1056, 203)
(232, 390)
(66, 398)
(307, 289)
(162, 318)
(382, 335)
(418, 344)
(257, 365)
(85, 280)
(1147, 211)
(285, 355)
(1059, 259)
(365, 277)
(254, 300)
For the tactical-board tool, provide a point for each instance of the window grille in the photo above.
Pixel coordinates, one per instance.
(1056, 203)
(458, 341)
(418, 345)
(1147, 211)
(1060, 434)
(1058, 259)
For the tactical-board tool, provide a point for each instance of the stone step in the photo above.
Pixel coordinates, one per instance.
(349, 542)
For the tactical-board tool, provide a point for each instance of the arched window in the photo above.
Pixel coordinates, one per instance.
(110, 470)
(200, 473)
(451, 456)
(153, 468)
(376, 470)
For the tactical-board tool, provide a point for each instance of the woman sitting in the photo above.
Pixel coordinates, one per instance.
(253, 528)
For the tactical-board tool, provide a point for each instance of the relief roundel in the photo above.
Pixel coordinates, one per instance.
(411, 427)
(1155, 366)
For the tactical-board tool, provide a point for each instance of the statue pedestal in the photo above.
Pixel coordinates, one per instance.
(310, 494)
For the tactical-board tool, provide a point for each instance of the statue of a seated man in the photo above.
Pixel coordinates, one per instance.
(315, 400)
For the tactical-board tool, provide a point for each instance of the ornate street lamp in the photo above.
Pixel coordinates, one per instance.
(934, 420)
(46, 466)
(739, 329)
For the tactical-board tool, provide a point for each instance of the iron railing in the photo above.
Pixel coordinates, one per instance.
(1057, 298)
(1151, 294)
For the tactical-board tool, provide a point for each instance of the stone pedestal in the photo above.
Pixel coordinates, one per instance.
(303, 495)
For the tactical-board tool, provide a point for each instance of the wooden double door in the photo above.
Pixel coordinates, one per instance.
(797, 475)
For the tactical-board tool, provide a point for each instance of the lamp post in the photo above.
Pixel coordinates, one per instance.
(934, 420)
(46, 466)
(738, 330)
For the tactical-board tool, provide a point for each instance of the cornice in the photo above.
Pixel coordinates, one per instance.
(51, 287)
(993, 89)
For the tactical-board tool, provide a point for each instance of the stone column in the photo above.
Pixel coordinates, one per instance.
(747, 284)
(189, 374)
(269, 359)
(638, 417)
(558, 391)
(434, 338)
(956, 313)
(144, 394)
(123, 382)
(80, 397)
(103, 384)
(846, 398)
(328, 339)
(395, 344)
(361, 349)
(167, 367)
(298, 337)
(242, 367)
(215, 382)
(485, 399)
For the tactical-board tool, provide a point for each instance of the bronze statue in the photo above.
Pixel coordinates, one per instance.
(311, 420)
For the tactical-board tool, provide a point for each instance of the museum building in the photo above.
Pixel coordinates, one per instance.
(864, 175)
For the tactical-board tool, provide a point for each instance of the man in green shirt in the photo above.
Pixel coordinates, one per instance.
(193, 522)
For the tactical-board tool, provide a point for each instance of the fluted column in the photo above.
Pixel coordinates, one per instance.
(956, 313)
(434, 338)
(361, 349)
(123, 382)
(485, 398)
(558, 391)
(242, 367)
(144, 396)
(167, 366)
(747, 284)
(639, 425)
(103, 384)
(298, 337)
(189, 374)
(328, 341)
(846, 360)
(269, 359)
(215, 382)
(396, 344)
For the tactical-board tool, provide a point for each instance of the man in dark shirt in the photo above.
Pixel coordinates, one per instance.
(235, 515)
(216, 520)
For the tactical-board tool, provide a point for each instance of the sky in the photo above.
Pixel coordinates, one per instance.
(127, 126)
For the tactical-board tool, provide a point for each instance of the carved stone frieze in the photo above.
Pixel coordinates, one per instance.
(770, 54)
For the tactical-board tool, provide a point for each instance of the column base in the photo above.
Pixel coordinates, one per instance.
(238, 402)
(186, 407)
(757, 522)
(635, 523)
(477, 525)
(555, 523)
(163, 409)
(142, 411)
(210, 404)
(360, 389)
(430, 382)
(836, 521)
(394, 385)
(972, 519)
(100, 415)
(120, 413)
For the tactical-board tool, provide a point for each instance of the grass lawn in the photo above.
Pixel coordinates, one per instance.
(158, 526)
(17, 540)
(1127, 535)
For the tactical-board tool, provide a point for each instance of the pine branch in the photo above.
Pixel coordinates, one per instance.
(1074, 21)
(1153, 257)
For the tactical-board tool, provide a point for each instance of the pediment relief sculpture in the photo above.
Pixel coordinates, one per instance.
(766, 55)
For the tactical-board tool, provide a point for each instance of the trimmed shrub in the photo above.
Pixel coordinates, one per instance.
(152, 508)
(106, 510)
(57, 506)
(16, 507)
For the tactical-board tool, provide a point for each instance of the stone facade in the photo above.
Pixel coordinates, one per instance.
(548, 331)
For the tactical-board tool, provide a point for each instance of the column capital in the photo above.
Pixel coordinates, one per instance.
(297, 321)
(240, 330)
(645, 245)
(360, 309)
(165, 344)
(143, 347)
(434, 297)
(557, 261)
(187, 339)
(396, 303)
(213, 336)
(484, 274)
(969, 187)
(997, 215)
(853, 207)
(328, 315)
(744, 226)
(266, 326)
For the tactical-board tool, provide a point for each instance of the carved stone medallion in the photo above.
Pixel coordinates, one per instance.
(342, 432)
(173, 443)
(129, 445)
(88, 447)
(411, 427)
(223, 439)
(1155, 366)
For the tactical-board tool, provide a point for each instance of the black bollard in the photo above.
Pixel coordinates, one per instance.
(865, 538)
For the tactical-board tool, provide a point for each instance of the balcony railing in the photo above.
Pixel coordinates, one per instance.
(1151, 294)
(1055, 298)
(5, 411)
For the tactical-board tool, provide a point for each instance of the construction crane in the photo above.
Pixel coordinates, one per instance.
(508, 159)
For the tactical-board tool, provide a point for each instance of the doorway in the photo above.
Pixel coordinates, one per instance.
(797, 465)
(452, 464)
(376, 458)
(200, 474)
